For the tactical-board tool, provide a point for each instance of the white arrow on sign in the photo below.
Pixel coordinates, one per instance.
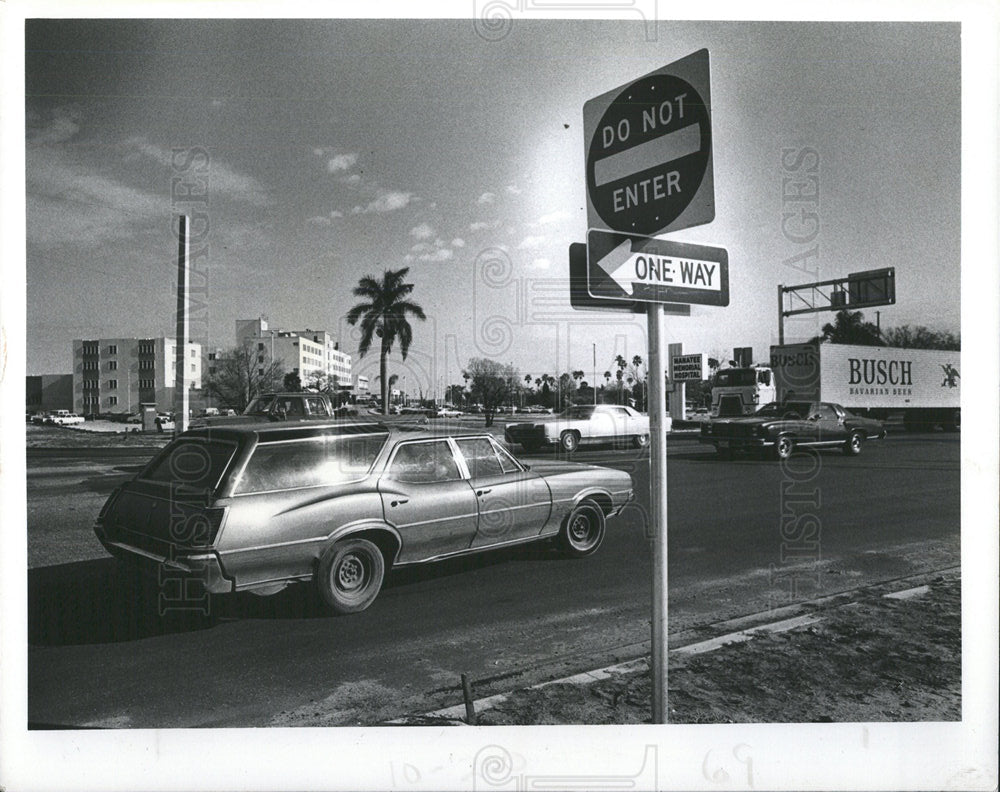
(628, 269)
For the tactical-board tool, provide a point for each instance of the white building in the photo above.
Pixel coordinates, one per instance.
(115, 375)
(312, 354)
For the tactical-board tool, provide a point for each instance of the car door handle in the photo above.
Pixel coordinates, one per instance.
(483, 491)
(399, 502)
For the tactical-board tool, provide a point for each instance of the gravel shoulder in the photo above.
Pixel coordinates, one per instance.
(875, 659)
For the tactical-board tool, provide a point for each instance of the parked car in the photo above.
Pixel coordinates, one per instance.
(582, 424)
(64, 418)
(255, 507)
(270, 407)
(448, 412)
(781, 426)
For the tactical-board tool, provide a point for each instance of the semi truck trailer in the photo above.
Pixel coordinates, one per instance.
(924, 385)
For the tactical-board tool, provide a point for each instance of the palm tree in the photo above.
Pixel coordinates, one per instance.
(383, 314)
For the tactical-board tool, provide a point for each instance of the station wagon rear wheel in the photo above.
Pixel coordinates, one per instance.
(583, 531)
(853, 445)
(350, 575)
(783, 448)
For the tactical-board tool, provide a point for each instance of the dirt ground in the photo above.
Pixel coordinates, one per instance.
(877, 659)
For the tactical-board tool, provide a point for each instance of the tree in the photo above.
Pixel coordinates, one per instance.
(292, 382)
(491, 383)
(921, 337)
(383, 315)
(240, 376)
(850, 327)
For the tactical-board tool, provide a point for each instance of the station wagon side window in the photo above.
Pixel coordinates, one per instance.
(319, 461)
(424, 463)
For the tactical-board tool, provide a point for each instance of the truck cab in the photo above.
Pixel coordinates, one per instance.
(741, 390)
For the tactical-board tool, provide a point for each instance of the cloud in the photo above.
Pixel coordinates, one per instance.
(458, 243)
(541, 263)
(336, 213)
(486, 198)
(531, 242)
(513, 189)
(354, 178)
(554, 217)
(482, 225)
(319, 220)
(421, 247)
(341, 162)
(221, 177)
(441, 254)
(422, 231)
(386, 201)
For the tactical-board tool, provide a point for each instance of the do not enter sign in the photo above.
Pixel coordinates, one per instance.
(649, 152)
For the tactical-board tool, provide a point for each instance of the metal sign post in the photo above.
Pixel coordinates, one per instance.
(181, 408)
(648, 147)
(658, 506)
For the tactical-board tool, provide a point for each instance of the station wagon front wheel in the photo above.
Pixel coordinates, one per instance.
(583, 531)
(350, 575)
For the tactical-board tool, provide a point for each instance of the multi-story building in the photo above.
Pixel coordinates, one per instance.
(115, 375)
(47, 392)
(312, 354)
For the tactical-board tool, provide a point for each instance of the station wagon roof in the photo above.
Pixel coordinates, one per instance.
(299, 431)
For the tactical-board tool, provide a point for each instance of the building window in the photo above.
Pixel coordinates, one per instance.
(194, 353)
(112, 365)
(112, 349)
(146, 365)
(260, 372)
(211, 356)
(211, 371)
(112, 384)
(260, 347)
(90, 365)
(193, 367)
(260, 358)
(112, 401)
(89, 349)
(146, 349)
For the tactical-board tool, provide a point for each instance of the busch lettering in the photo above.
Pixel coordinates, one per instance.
(880, 372)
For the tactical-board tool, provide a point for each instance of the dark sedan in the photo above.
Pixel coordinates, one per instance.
(780, 427)
(255, 507)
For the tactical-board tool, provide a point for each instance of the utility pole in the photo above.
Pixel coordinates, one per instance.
(181, 410)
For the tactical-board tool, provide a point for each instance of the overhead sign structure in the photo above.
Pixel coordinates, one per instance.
(688, 368)
(649, 151)
(626, 267)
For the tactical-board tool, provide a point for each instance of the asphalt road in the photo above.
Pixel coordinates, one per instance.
(744, 536)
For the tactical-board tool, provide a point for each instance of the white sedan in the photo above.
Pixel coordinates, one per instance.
(601, 423)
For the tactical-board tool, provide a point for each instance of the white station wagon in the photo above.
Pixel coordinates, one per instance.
(600, 423)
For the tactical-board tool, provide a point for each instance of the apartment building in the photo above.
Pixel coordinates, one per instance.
(115, 375)
(312, 354)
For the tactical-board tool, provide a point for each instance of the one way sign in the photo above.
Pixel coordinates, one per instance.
(622, 266)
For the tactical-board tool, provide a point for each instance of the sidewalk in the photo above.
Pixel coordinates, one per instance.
(884, 656)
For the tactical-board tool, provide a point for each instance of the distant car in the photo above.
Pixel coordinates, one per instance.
(535, 409)
(779, 427)
(254, 507)
(37, 418)
(64, 418)
(448, 412)
(599, 423)
(135, 418)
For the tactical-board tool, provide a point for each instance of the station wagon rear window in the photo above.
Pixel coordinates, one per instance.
(314, 462)
(191, 461)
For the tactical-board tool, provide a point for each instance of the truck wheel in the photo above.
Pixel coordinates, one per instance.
(784, 447)
(853, 445)
(583, 531)
(350, 575)
(953, 421)
(569, 441)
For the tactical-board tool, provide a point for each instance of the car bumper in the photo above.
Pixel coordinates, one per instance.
(193, 566)
(735, 442)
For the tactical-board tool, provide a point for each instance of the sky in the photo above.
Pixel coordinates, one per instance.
(340, 148)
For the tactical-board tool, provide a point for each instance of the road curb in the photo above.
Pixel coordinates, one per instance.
(455, 715)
